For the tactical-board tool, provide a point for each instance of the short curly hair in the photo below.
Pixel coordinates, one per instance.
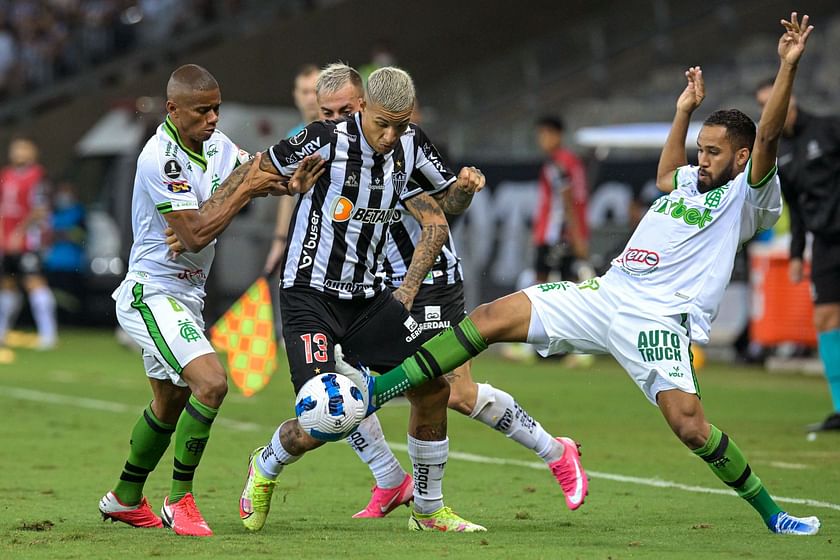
(740, 129)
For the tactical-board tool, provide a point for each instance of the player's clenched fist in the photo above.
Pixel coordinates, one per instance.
(470, 180)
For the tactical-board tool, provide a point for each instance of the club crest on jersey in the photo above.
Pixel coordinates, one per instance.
(172, 169)
(398, 178)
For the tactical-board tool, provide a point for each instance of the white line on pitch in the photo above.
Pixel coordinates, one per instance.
(96, 404)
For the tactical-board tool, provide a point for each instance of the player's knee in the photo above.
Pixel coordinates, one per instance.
(488, 320)
(692, 432)
(212, 389)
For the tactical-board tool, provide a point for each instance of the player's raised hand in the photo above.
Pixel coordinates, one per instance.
(694, 92)
(792, 42)
(470, 180)
(307, 174)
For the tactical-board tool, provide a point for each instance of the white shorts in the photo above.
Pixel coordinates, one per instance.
(169, 328)
(592, 318)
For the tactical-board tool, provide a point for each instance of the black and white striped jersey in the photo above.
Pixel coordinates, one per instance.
(403, 236)
(338, 230)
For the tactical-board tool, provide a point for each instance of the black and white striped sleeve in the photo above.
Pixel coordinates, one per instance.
(430, 174)
(315, 138)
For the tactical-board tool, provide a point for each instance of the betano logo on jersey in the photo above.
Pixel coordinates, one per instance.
(680, 211)
(343, 209)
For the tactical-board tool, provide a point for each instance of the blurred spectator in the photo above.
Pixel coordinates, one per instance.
(380, 56)
(809, 168)
(42, 40)
(23, 217)
(64, 262)
(560, 225)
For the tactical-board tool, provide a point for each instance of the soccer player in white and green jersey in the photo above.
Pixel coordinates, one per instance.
(180, 184)
(665, 288)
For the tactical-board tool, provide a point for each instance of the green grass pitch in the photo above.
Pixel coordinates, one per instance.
(66, 417)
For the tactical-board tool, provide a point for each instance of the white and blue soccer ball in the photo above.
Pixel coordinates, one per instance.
(329, 407)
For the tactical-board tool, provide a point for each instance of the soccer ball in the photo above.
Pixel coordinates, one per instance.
(329, 407)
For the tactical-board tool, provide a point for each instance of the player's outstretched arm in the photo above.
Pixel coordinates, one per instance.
(456, 199)
(434, 233)
(673, 153)
(791, 46)
(193, 230)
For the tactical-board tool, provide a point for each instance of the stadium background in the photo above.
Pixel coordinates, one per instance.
(485, 70)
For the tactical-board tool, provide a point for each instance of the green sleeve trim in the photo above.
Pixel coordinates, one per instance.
(676, 174)
(164, 207)
(766, 178)
(153, 329)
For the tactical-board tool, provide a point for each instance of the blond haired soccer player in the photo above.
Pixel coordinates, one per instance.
(331, 292)
(435, 301)
(191, 181)
(648, 308)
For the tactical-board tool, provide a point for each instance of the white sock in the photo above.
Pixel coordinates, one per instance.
(369, 443)
(274, 457)
(501, 412)
(42, 302)
(429, 461)
(10, 302)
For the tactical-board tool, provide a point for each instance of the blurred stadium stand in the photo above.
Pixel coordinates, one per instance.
(485, 69)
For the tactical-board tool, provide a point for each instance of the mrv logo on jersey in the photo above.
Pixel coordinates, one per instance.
(342, 209)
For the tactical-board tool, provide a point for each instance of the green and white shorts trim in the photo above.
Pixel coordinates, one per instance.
(168, 328)
(592, 318)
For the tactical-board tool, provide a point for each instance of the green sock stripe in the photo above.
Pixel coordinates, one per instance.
(184, 468)
(412, 368)
(428, 364)
(719, 452)
(471, 332)
(183, 476)
(737, 483)
(711, 444)
(200, 411)
(136, 478)
(135, 469)
(156, 424)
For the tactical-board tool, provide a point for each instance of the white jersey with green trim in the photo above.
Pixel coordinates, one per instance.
(680, 258)
(171, 177)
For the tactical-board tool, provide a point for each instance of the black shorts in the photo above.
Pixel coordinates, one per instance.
(438, 307)
(825, 270)
(377, 332)
(23, 264)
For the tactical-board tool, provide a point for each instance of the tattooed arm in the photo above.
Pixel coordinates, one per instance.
(193, 230)
(456, 199)
(434, 233)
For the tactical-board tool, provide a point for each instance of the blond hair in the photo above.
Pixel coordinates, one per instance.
(391, 88)
(334, 77)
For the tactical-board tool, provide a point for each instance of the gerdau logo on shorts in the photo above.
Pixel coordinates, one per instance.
(679, 211)
(658, 345)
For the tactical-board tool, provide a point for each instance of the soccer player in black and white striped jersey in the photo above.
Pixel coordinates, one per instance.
(439, 302)
(331, 291)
